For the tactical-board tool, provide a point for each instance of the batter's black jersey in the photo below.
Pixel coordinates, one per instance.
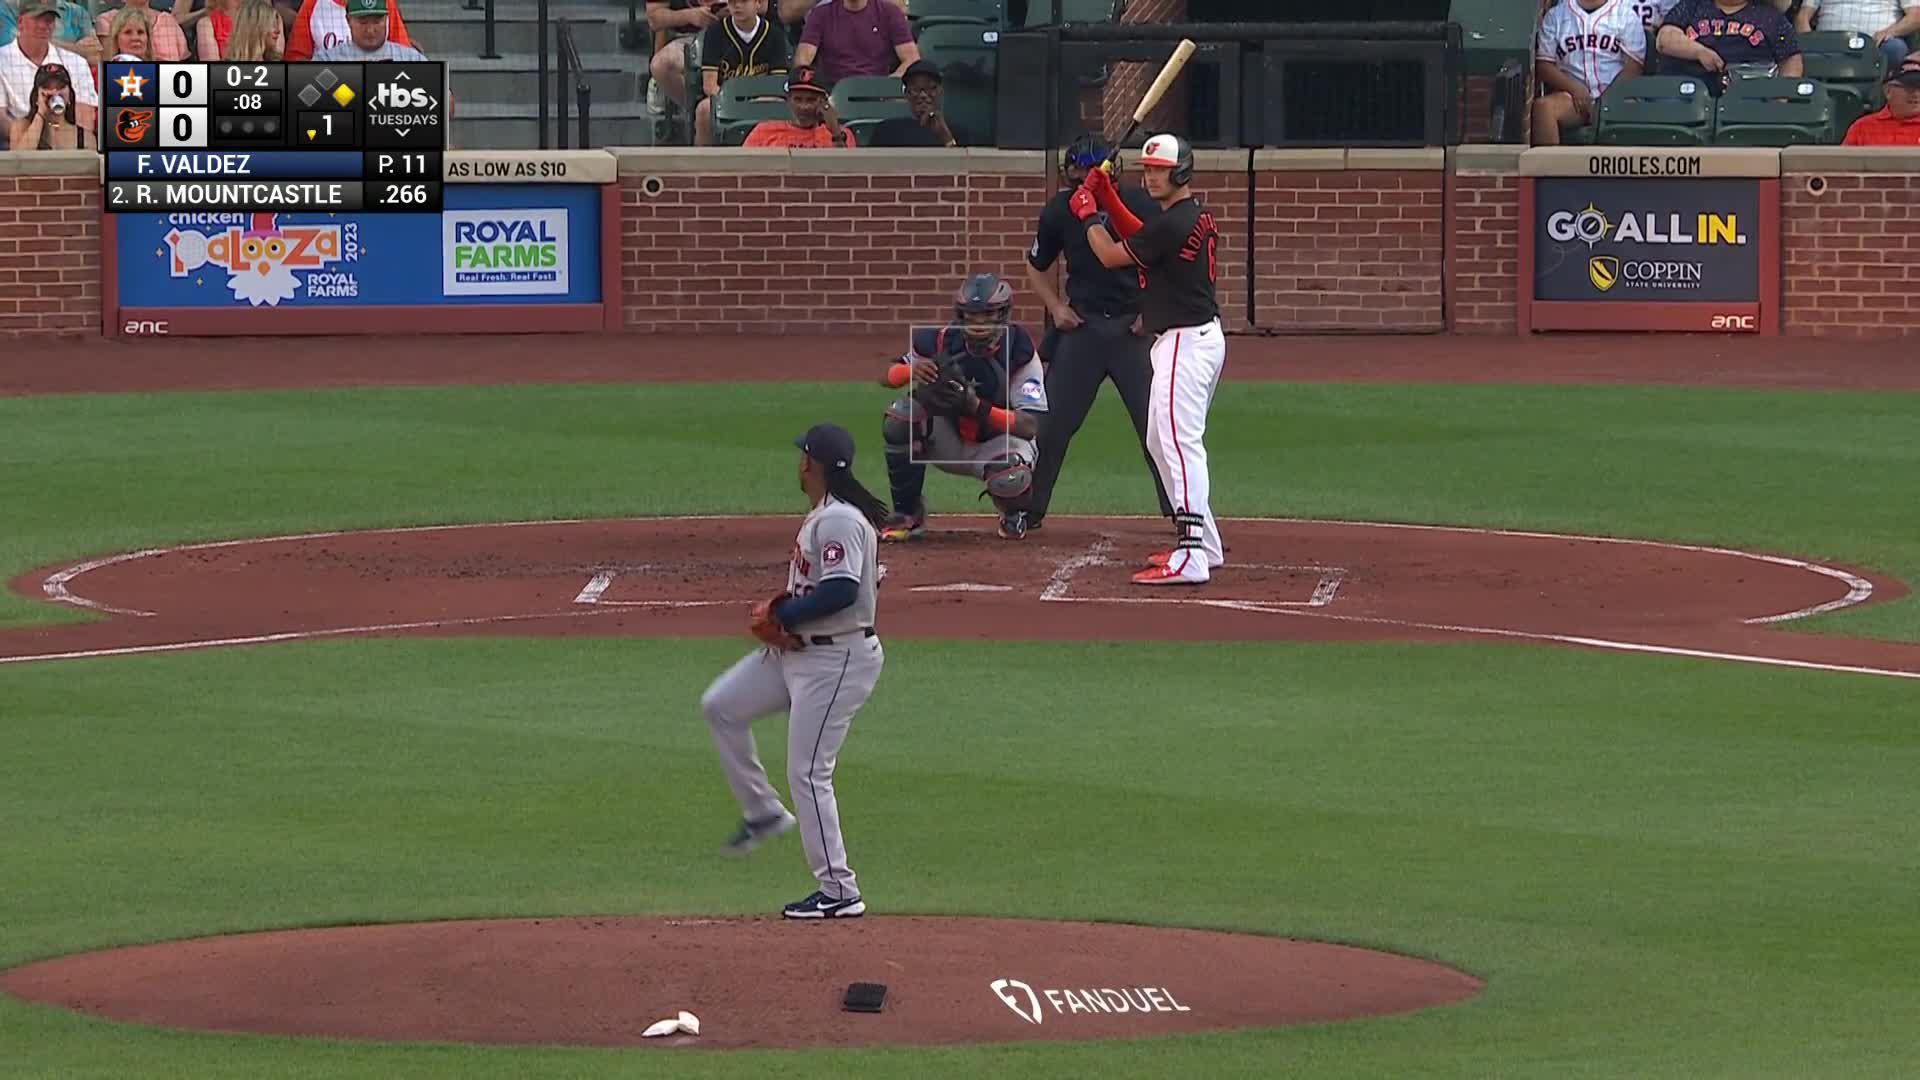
(1175, 253)
(1093, 288)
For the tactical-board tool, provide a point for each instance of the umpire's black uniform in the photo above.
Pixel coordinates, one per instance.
(1104, 347)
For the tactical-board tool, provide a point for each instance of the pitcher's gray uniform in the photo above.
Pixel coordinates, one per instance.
(821, 686)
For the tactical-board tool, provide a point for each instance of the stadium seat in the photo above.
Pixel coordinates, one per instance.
(1040, 12)
(966, 56)
(1656, 111)
(1851, 66)
(1774, 112)
(745, 101)
(989, 14)
(864, 100)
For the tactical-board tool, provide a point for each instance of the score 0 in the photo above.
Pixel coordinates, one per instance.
(183, 105)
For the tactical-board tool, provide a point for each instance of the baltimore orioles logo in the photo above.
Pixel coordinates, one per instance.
(132, 124)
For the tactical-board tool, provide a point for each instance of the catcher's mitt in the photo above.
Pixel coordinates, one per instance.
(766, 626)
(950, 395)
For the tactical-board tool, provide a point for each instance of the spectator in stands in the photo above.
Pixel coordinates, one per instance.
(9, 22)
(1652, 13)
(367, 37)
(51, 124)
(928, 125)
(1702, 38)
(1887, 22)
(21, 61)
(1899, 123)
(793, 18)
(323, 24)
(678, 26)
(844, 38)
(167, 42)
(1584, 45)
(130, 34)
(743, 44)
(214, 30)
(814, 122)
(75, 32)
(258, 33)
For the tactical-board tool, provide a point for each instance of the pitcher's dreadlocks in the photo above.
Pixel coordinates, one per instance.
(843, 485)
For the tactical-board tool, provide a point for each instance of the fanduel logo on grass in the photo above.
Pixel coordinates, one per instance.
(1025, 1001)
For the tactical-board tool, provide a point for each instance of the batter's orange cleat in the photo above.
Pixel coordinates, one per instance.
(1179, 571)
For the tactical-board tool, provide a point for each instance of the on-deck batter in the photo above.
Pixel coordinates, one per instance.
(820, 664)
(1176, 256)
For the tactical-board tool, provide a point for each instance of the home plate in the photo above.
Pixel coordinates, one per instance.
(962, 586)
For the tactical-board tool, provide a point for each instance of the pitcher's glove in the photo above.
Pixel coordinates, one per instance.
(766, 626)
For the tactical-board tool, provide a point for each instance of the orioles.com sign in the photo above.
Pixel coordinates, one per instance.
(1615, 240)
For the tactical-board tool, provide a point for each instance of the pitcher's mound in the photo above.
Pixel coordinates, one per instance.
(751, 982)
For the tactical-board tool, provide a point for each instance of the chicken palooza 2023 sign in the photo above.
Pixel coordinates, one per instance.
(1650, 242)
(494, 247)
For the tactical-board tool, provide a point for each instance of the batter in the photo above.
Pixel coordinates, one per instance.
(1175, 254)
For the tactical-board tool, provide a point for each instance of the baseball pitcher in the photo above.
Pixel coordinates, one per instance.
(820, 661)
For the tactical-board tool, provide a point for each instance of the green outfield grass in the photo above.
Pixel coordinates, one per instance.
(1663, 868)
(1826, 475)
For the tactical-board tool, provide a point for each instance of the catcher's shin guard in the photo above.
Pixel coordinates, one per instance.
(904, 433)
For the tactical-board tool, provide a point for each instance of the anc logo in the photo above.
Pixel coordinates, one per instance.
(132, 124)
(1603, 271)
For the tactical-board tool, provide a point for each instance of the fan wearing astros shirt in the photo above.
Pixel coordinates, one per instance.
(1584, 46)
(322, 25)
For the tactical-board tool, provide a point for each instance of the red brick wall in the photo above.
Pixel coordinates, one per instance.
(1852, 256)
(1484, 218)
(49, 255)
(1357, 250)
(792, 253)
(1476, 108)
(797, 253)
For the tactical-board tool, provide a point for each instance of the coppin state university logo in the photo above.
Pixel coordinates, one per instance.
(262, 257)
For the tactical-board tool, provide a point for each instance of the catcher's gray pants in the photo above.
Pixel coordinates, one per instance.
(820, 687)
(945, 450)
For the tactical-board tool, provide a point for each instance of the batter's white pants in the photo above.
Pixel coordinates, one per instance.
(1187, 361)
(819, 687)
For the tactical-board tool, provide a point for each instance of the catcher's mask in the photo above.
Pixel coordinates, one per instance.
(983, 306)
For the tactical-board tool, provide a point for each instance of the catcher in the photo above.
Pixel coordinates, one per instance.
(820, 662)
(977, 393)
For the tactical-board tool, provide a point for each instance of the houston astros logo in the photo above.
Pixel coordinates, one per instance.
(131, 85)
(1029, 1009)
(1603, 271)
(132, 124)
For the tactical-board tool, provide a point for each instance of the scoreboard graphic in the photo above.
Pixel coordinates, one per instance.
(273, 138)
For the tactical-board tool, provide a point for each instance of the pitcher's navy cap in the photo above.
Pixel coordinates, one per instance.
(828, 444)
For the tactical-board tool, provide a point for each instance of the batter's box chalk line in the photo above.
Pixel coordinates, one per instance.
(596, 590)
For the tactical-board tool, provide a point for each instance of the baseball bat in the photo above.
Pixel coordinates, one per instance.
(1149, 100)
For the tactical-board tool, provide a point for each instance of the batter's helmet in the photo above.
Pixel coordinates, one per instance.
(985, 293)
(1171, 152)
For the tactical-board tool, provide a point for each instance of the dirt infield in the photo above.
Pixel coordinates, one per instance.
(749, 982)
(88, 366)
(1287, 580)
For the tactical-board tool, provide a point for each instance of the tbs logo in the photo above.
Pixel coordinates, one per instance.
(396, 97)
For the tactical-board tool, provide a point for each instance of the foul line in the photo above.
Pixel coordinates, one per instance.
(1590, 642)
(291, 635)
